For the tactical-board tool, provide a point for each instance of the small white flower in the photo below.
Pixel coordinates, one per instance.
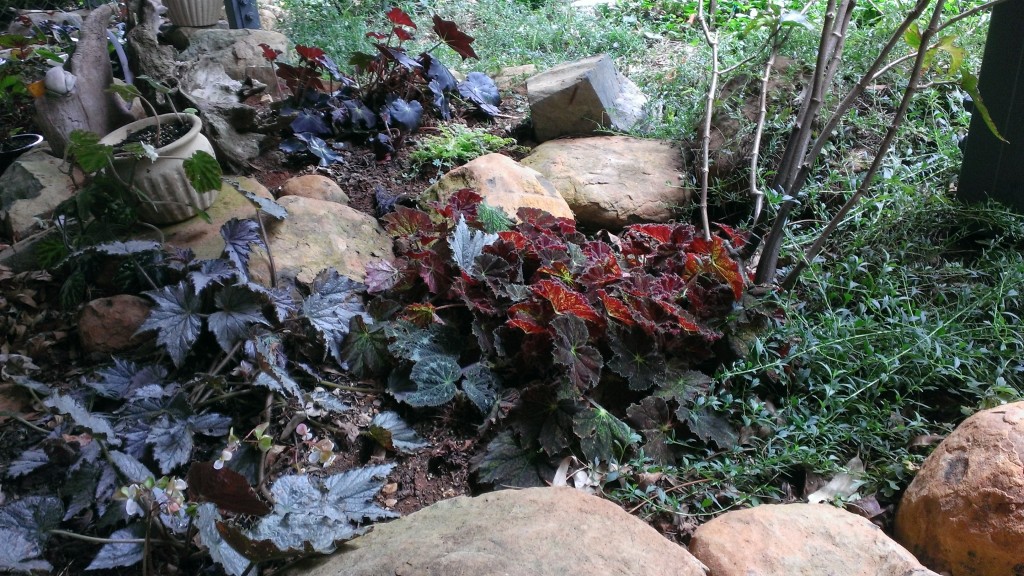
(304, 432)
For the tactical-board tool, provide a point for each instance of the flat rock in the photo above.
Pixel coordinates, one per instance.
(317, 235)
(204, 237)
(582, 97)
(109, 325)
(30, 189)
(503, 183)
(964, 512)
(532, 532)
(800, 540)
(316, 187)
(612, 181)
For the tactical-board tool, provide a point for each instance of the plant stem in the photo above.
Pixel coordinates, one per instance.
(711, 38)
(24, 422)
(908, 94)
(97, 540)
(270, 254)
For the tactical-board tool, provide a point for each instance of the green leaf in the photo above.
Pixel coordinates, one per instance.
(117, 554)
(86, 148)
(239, 312)
(794, 18)
(392, 433)
(481, 386)
(435, 379)
(637, 359)
(222, 553)
(129, 467)
(493, 219)
(969, 82)
(24, 525)
(316, 515)
(571, 350)
(176, 318)
(203, 171)
(684, 386)
(913, 36)
(128, 92)
(334, 300)
(365, 350)
(656, 423)
(266, 205)
(602, 436)
(467, 244)
(506, 464)
(82, 417)
(709, 427)
(172, 443)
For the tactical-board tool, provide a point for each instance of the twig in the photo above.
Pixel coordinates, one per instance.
(261, 471)
(97, 540)
(755, 153)
(24, 422)
(711, 37)
(270, 254)
(908, 94)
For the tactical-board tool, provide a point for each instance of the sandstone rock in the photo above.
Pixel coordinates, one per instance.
(108, 325)
(800, 540)
(503, 183)
(532, 532)
(578, 98)
(316, 187)
(964, 512)
(512, 76)
(204, 237)
(237, 50)
(611, 181)
(318, 234)
(30, 189)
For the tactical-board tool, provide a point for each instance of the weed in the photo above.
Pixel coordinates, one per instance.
(454, 145)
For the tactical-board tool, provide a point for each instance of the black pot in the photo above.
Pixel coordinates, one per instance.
(16, 146)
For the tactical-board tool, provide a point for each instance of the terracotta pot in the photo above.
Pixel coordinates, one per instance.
(194, 13)
(169, 196)
(19, 144)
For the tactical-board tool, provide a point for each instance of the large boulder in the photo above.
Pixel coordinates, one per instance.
(800, 540)
(238, 51)
(612, 181)
(582, 97)
(30, 189)
(314, 186)
(319, 234)
(503, 183)
(532, 532)
(202, 236)
(964, 512)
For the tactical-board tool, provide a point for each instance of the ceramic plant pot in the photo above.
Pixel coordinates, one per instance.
(17, 146)
(194, 13)
(168, 195)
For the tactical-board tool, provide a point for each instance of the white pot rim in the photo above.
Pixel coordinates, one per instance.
(118, 136)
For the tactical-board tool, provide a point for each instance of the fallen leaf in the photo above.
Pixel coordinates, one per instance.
(842, 485)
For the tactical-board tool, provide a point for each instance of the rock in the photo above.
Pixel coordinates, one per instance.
(581, 97)
(23, 255)
(800, 540)
(532, 532)
(316, 187)
(503, 183)
(108, 325)
(238, 51)
(318, 234)
(204, 237)
(964, 512)
(611, 181)
(30, 189)
(512, 76)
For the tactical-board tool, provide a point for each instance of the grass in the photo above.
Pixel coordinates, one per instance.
(908, 322)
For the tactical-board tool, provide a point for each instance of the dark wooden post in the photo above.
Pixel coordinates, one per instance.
(993, 169)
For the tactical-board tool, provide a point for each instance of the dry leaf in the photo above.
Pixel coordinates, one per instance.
(842, 485)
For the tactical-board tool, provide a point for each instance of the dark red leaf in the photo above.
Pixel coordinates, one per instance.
(456, 39)
(566, 301)
(377, 35)
(311, 53)
(406, 221)
(528, 317)
(270, 53)
(736, 237)
(399, 17)
(255, 550)
(434, 270)
(660, 232)
(402, 34)
(421, 314)
(228, 489)
(616, 308)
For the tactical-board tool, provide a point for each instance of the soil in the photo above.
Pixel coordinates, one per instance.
(160, 135)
